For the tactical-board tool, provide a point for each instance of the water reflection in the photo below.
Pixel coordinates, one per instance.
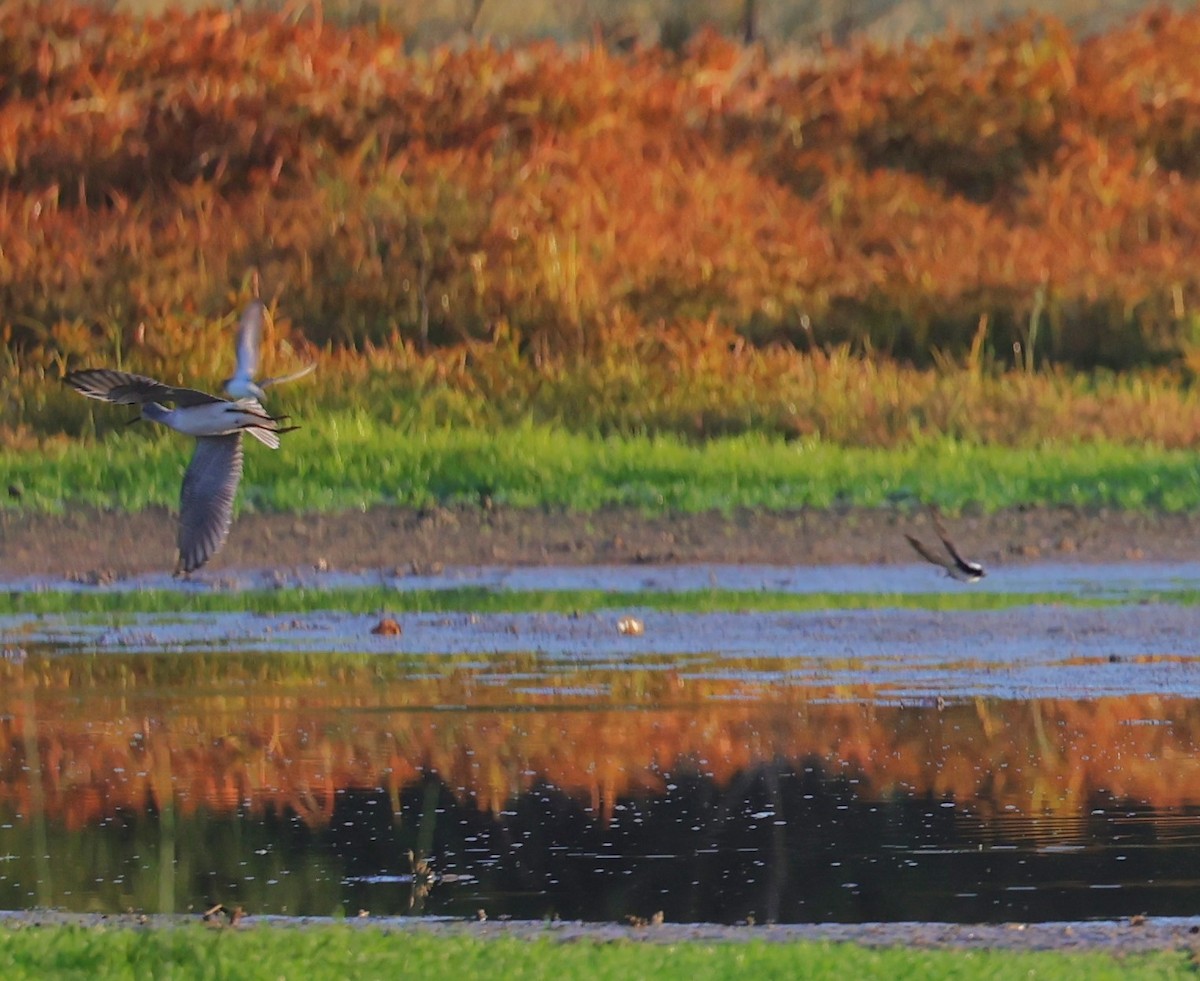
(782, 843)
(301, 785)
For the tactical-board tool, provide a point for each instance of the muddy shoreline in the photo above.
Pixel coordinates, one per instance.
(102, 544)
(1126, 936)
(87, 542)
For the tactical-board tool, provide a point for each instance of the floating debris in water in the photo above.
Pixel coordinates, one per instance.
(631, 626)
(387, 627)
(213, 915)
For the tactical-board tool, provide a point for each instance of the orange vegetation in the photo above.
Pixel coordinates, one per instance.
(79, 751)
(1014, 186)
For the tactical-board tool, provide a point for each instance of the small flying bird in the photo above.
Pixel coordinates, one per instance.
(211, 480)
(249, 343)
(956, 566)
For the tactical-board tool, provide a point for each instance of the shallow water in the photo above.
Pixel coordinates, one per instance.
(1117, 579)
(1035, 763)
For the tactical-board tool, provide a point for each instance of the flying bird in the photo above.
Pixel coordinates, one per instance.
(211, 480)
(956, 566)
(249, 343)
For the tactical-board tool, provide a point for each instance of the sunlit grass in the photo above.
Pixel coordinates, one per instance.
(342, 952)
(350, 460)
(479, 600)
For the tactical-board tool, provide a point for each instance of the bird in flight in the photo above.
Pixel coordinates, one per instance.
(249, 342)
(211, 480)
(955, 565)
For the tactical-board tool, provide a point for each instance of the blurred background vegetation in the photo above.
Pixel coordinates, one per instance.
(987, 232)
(672, 22)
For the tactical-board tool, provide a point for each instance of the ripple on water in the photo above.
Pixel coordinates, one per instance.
(828, 766)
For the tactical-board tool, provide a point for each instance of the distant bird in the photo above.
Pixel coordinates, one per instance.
(249, 343)
(212, 476)
(956, 566)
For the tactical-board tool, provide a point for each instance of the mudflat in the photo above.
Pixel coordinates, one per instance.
(91, 541)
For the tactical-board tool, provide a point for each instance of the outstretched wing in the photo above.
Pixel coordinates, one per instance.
(969, 568)
(249, 339)
(126, 388)
(280, 379)
(206, 501)
(924, 552)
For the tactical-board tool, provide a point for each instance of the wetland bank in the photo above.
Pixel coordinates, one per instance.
(693, 357)
(785, 744)
(92, 543)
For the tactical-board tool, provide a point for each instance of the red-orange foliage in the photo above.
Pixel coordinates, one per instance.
(889, 197)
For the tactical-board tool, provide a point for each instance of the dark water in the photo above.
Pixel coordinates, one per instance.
(1035, 764)
(783, 843)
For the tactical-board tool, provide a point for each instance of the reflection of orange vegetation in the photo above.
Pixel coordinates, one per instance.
(96, 746)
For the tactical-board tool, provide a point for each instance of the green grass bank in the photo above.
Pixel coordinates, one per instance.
(348, 460)
(336, 952)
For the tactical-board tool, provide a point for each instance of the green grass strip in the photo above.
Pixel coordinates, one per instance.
(480, 600)
(334, 951)
(351, 460)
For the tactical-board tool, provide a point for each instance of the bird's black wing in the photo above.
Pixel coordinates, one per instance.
(924, 552)
(126, 388)
(970, 568)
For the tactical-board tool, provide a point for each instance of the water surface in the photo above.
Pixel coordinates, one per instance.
(1032, 763)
